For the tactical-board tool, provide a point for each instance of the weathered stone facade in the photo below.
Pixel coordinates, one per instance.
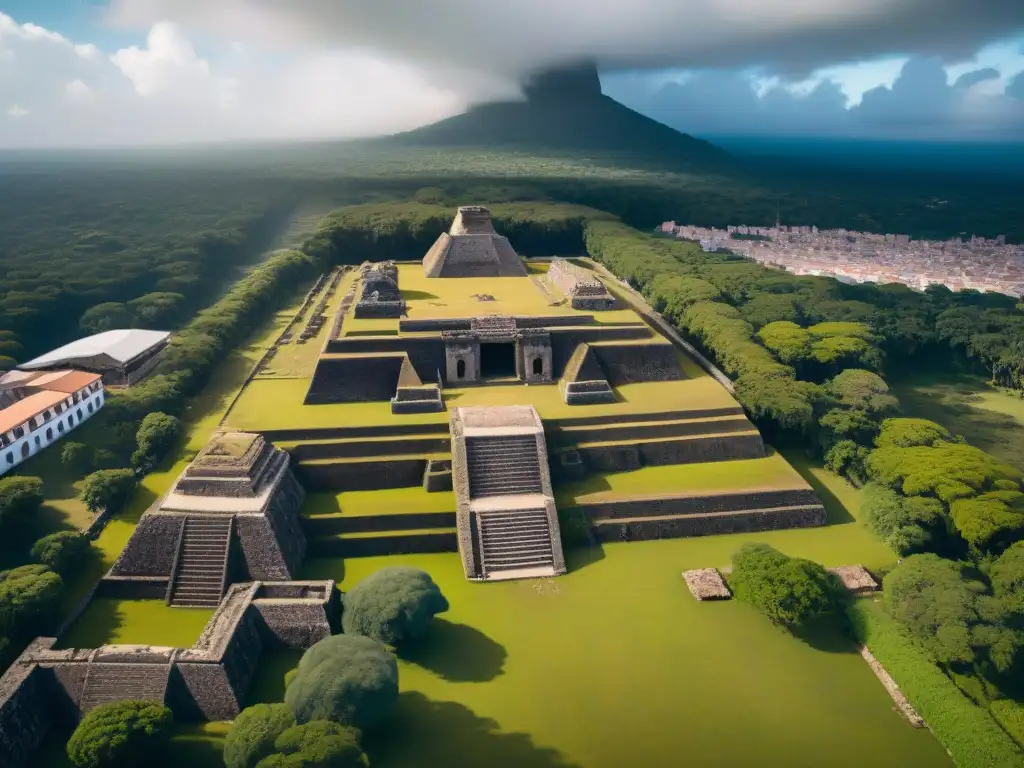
(209, 681)
(380, 296)
(471, 248)
(239, 487)
(583, 288)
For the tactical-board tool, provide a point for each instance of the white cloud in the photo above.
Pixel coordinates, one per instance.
(164, 91)
(791, 37)
(16, 111)
(78, 92)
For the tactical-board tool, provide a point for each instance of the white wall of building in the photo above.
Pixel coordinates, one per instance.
(52, 431)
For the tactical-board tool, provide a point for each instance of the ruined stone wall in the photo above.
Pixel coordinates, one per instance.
(653, 430)
(629, 363)
(588, 392)
(273, 544)
(293, 622)
(377, 546)
(341, 433)
(690, 450)
(703, 504)
(739, 522)
(27, 693)
(392, 447)
(330, 525)
(363, 475)
(151, 549)
(366, 379)
(625, 418)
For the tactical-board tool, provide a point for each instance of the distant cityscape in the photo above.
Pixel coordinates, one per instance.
(979, 263)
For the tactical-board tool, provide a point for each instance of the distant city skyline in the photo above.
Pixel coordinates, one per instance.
(88, 72)
(978, 263)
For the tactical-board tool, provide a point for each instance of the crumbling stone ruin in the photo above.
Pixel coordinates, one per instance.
(583, 289)
(380, 296)
(471, 248)
(232, 515)
(707, 584)
(47, 688)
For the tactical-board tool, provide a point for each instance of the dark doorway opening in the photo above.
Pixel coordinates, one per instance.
(460, 369)
(497, 361)
(538, 367)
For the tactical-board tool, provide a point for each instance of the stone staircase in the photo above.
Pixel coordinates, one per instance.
(105, 683)
(515, 540)
(198, 580)
(503, 465)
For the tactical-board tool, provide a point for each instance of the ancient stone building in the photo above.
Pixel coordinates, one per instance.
(50, 688)
(502, 381)
(232, 515)
(380, 296)
(471, 248)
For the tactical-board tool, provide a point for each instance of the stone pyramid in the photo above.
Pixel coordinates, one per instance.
(471, 248)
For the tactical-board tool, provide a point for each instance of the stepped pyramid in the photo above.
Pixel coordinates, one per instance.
(471, 248)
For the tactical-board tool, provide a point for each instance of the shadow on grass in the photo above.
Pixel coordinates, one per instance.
(578, 557)
(97, 624)
(456, 652)
(322, 568)
(828, 634)
(267, 684)
(424, 733)
(834, 507)
(418, 295)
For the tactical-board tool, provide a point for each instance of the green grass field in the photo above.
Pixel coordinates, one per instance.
(990, 418)
(135, 622)
(389, 500)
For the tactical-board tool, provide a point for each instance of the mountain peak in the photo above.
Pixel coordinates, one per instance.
(565, 81)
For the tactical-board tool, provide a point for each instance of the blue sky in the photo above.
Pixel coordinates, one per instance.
(75, 72)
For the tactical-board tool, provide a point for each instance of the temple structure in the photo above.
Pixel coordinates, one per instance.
(513, 383)
(232, 515)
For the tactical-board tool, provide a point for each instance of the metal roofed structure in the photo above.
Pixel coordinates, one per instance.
(122, 357)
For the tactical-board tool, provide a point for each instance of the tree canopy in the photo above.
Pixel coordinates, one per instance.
(120, 734)
(347, 679)
(254, 732)
(108, 489)
(20, 499)
(317, 744)
(393, 605)
(789, 590)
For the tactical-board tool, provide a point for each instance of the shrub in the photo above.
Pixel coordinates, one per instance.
(317, 744)
(969, 733)
(105, 317)
(108, 489)
(121, 734)
(938, 606)
(155, 436)
(789, 590)
(28, 597)
(392, 605)
(907, 433)
(20, 497)
(905, 524)
(347, 679)
(252, 736)
(62, 551)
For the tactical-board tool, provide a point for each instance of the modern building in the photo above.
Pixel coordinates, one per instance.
(122, 357)
(39, 408)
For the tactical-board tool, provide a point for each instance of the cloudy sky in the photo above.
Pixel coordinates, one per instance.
(103, 72)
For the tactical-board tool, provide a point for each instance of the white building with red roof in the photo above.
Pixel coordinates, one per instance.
(38, 408)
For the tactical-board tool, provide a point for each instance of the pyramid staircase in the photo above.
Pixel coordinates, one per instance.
(508, 525)
(199, 576)
(107, 682)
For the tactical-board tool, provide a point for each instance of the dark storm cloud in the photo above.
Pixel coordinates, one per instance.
(969, 79)
(791, 37)
(919, 104)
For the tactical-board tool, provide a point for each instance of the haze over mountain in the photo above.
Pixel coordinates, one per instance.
(564, 108)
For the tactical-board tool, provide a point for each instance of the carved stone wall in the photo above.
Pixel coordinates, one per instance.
(629, 363)
(150, 550)
(462, 362)
(345, 380)
(534, 349)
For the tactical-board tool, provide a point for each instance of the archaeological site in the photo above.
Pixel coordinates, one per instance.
(471, 402)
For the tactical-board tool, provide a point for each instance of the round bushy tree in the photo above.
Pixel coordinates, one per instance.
(121, 734)
(394, 604)
(789, 590)
(61, 551)
(317, 744)
(108, 489)
(254, 732)
(348, 679)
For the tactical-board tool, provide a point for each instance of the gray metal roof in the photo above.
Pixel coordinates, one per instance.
(121, 345)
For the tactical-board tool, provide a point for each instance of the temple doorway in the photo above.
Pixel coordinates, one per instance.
(497, 361)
